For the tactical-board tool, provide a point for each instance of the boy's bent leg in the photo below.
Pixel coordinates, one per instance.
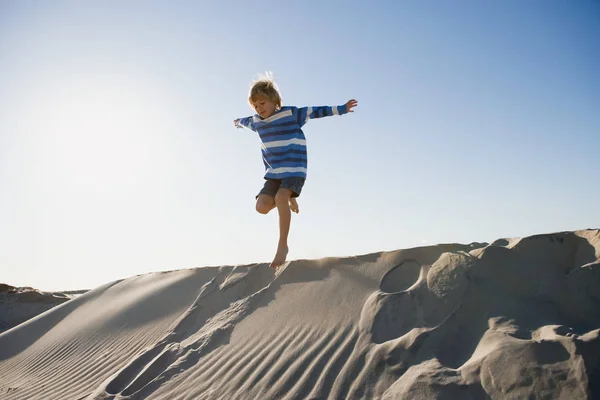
(265, 203)
(282, 202)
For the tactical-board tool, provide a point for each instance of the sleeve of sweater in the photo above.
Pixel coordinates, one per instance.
(306, 113)
(246, 122)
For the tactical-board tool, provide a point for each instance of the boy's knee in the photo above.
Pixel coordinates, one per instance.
(264, 204)
(262, 208)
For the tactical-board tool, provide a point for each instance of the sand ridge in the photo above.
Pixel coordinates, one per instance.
(516, 318)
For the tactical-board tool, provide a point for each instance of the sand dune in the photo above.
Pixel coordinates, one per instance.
(518, 318)
(18, 304)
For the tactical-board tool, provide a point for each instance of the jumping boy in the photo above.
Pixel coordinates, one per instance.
(283, 152)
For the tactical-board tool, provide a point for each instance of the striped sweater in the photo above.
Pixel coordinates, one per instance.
(283, 142)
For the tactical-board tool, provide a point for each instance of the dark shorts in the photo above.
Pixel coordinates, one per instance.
(273, 185)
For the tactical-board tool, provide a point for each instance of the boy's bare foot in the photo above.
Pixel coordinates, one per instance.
(279, 259)
(294, 205)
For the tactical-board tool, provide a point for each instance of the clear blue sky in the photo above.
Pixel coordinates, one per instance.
(476, 120)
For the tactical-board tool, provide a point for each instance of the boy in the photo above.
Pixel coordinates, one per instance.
(283, 152)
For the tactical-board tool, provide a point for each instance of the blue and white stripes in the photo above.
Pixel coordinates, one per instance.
(283, 142)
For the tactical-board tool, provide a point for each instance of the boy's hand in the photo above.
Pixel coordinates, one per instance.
(351, 104)
(236, 123)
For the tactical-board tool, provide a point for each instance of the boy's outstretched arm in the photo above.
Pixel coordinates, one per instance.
(246, 122)
(306, 113)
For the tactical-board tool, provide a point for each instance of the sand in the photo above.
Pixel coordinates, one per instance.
(515, 319)
(18, 304)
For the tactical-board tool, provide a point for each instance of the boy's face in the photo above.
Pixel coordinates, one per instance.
(264, 107)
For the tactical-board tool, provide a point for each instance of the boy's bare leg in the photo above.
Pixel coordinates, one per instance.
(265, 203)
(282, 202)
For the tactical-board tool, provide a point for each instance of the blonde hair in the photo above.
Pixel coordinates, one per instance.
(265, 86)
